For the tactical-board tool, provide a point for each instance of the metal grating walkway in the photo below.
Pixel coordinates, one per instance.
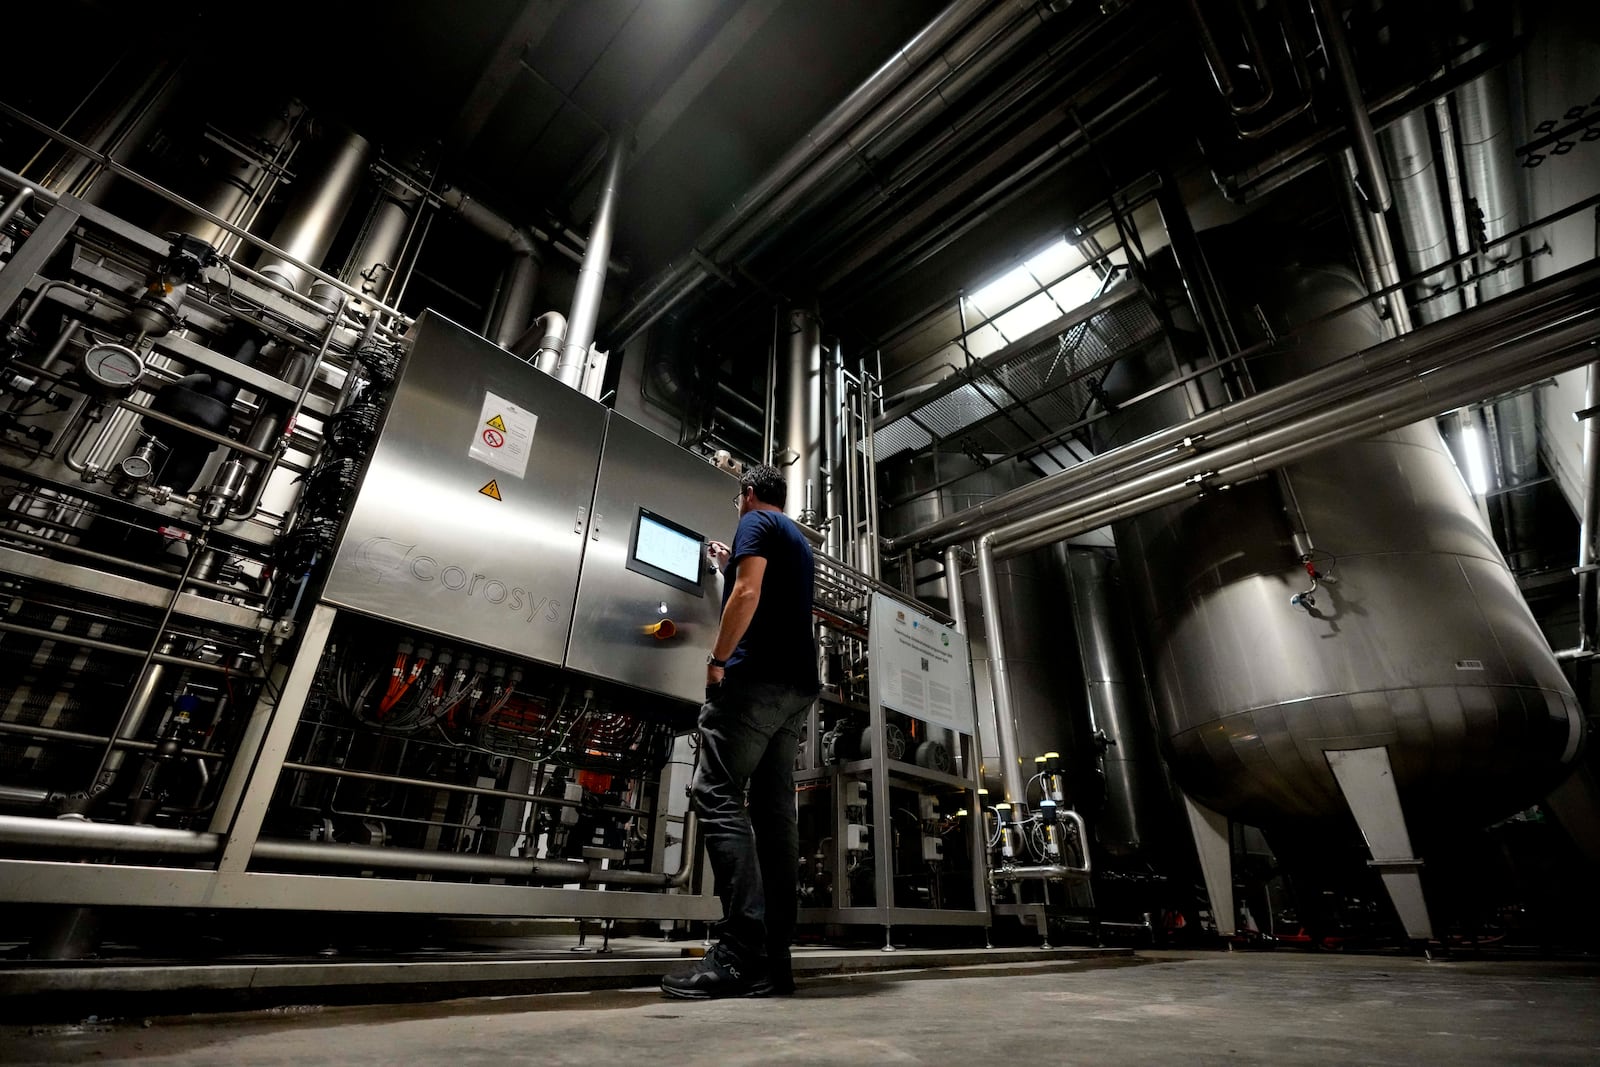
(1013, 401)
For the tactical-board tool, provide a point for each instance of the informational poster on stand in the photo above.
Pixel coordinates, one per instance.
(921, 666)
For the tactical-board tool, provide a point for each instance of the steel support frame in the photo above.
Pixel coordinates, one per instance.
(878, 769)
(241, 811)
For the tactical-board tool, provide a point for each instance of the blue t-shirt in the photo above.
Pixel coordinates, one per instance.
(779, 646)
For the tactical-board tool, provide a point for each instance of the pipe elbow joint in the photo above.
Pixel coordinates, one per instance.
(523, 243)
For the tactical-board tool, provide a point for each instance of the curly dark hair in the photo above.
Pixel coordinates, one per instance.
(768, 483)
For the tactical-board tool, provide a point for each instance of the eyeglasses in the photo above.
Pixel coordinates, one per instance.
(740, 498)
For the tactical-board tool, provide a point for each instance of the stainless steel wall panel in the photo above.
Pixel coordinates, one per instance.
(427, 546)
(638, 470)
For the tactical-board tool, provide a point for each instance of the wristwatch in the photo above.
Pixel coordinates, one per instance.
(713, 661)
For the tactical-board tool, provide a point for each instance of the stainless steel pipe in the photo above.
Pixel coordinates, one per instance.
(592, 274)
(369, 857)
(92, 837)
(968, 37)
(1577, 289)
(1589, 527)
(1375, 181)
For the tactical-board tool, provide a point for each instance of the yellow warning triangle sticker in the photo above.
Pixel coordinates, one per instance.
(491, 490)
(498, 423)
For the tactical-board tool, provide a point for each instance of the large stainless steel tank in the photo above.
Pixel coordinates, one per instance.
(1420, 642)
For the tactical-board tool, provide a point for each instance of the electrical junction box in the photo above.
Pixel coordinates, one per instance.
(855, 838)
(855, 794)
(932, 848)
(929, 807)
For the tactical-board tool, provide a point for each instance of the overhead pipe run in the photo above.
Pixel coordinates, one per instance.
(886, 100)
(1374, 182)
(1535, 307)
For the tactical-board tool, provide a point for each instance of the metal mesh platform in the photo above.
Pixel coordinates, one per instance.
(1011, 401)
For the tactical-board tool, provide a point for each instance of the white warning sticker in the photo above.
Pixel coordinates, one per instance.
(503, 437)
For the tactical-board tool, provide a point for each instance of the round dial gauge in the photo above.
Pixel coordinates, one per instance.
(112, 368)
(136, 467)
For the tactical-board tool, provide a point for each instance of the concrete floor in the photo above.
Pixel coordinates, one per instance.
(1278, 1008)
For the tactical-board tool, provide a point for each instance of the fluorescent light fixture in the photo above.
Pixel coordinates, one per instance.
(1004, 290)
(1472, 446)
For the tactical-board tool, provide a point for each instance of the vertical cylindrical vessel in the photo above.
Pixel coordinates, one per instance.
(1137, 810)
(321, 200)
(802, 413)
(1418, 640)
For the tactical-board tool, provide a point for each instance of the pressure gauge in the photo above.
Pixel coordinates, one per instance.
(112, 369)
(136, 467)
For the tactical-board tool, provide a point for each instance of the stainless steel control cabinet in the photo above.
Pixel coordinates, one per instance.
(503, 508)
(445, 535)
(647, 481)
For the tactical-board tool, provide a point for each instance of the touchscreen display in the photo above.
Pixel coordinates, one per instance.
(668, 548)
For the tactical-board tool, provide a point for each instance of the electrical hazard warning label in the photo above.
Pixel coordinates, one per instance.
(502, 438)
(492, 490)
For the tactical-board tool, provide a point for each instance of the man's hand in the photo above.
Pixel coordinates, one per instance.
(713, 674)
(718, 554)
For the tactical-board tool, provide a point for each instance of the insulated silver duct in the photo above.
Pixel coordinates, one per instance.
(326, 189)
(540, 343)
(1487, 157)
(801, 454)
(1488, 153)
(1408, 151)
(592, 275)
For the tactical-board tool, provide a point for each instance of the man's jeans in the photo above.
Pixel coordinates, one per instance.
(748, 736)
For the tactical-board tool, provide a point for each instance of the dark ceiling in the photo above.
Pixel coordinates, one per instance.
(514, 101)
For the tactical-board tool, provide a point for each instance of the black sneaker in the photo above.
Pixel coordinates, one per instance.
(720, 973)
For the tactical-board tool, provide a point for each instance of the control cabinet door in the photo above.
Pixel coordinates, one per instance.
(655, 507)
(471, 518)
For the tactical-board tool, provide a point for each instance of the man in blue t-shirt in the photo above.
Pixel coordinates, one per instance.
(761, 678)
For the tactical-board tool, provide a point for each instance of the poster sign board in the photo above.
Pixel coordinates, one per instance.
(921, 666)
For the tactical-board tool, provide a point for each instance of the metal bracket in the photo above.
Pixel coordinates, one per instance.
(577, 522)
